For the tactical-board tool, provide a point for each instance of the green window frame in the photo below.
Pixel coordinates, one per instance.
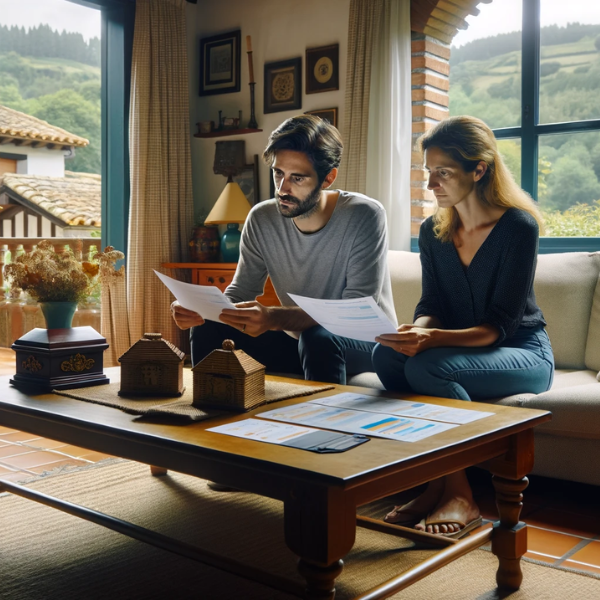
(118, 18)
(530, 129)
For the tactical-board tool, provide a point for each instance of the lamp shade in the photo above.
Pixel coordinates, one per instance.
(231, 207)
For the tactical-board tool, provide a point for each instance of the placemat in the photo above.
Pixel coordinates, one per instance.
(180, 406)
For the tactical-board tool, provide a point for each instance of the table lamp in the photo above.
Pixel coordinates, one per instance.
(231, 208)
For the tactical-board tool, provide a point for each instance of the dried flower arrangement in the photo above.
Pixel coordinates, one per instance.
(50, 276)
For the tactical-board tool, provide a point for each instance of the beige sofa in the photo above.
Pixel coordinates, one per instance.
(568, 291)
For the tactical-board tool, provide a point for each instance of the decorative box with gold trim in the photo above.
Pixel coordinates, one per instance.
(59, 359)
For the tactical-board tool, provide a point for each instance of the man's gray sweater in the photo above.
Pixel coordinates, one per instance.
(345, 259)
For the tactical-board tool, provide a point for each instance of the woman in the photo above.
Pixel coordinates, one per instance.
(478, 332)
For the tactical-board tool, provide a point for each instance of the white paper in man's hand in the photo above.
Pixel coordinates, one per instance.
(208, 301)
(357, 318)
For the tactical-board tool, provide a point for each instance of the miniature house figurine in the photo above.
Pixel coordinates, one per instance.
(229, 378)
(152, 367)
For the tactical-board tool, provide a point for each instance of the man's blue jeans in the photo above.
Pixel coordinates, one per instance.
(522, 364)
(318, 355)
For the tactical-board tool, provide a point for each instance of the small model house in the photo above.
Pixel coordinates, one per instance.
(229, 378)
(152, 367)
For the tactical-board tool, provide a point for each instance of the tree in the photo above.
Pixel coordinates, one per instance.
(597, 43)
(571, 182)
(71, 111)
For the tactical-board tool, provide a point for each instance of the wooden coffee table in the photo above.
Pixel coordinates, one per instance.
(320, 492)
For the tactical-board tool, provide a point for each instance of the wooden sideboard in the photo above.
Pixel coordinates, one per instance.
(220, 275)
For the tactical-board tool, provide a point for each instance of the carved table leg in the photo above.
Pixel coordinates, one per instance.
(320, 581)
(509, 542)
(320, 528)
(158, 471)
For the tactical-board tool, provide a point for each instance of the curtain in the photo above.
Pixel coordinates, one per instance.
(390, 121)
(114, 317)
(378, 117)
(364, 24)
(161, 209)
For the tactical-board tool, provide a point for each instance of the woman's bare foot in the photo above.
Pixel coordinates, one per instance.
(455, 508)
(415, 510)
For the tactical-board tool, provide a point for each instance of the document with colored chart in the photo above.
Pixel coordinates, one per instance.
(404, 408)
(356, 318)
(382, 425)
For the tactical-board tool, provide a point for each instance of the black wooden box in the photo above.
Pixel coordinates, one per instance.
(59, 359)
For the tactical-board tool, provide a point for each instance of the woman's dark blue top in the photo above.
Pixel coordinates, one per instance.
(496, 288)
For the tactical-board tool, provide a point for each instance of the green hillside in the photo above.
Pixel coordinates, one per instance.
(490, 88)
(63, 92)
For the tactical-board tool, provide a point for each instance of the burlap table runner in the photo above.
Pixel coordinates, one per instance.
(180, 406)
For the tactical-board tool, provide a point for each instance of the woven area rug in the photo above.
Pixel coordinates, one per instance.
(181, 406)
(46, 554)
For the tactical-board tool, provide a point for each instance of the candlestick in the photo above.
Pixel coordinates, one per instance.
(250, 66)
(252, 124)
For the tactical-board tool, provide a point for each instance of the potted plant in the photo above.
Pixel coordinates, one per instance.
(57, 280)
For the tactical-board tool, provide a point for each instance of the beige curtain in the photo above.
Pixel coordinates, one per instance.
(114, 321)
(364, 25)
(390, 122)
(161, 210)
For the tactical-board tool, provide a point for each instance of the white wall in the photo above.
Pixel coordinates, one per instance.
(40, 161)
(280, 30)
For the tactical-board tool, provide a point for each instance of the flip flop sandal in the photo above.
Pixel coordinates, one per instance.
(461, 532)
(403, 516)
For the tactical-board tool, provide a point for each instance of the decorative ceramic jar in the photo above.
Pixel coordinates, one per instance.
(204, 245)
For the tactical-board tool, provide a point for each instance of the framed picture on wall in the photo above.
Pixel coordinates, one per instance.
(220, 64)
(327, 114)
(283, 85)
(323, 69)
(248, 181)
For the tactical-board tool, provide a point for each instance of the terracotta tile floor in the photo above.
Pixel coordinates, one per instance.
(23, 455)
(563, 517)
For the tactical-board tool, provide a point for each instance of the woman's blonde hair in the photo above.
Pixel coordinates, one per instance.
(468, 141)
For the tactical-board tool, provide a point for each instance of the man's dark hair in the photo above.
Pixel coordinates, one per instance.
(318, 139)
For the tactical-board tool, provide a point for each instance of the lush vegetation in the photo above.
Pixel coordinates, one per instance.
(581, 220)
(61, 87)
(485, 81)
(45, 42)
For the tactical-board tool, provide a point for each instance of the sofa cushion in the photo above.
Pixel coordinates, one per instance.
(405, 272)
(564, 288)
(575, 410)
(592, 350)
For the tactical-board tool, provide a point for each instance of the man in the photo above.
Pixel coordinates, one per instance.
(312, 241)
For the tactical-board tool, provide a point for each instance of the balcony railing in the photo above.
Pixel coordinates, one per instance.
(18, 316)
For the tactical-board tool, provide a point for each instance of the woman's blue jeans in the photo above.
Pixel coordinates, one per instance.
(522, 364)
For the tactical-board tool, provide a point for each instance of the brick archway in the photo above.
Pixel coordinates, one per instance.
(433, 23)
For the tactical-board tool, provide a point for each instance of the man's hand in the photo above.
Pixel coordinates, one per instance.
(409, 340)
(185, 318)
(250, 317)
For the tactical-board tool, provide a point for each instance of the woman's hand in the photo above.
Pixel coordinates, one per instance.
(185, 318)
(410, 339)
(249, 317)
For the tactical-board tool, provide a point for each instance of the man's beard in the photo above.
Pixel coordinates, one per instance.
(301, 208)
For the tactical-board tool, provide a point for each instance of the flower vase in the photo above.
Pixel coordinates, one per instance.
(58, 315)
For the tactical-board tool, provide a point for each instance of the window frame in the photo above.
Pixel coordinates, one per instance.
(118, 17)
(530, 129)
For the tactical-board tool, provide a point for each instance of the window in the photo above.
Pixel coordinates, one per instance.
(76, 82)
(531, 70)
